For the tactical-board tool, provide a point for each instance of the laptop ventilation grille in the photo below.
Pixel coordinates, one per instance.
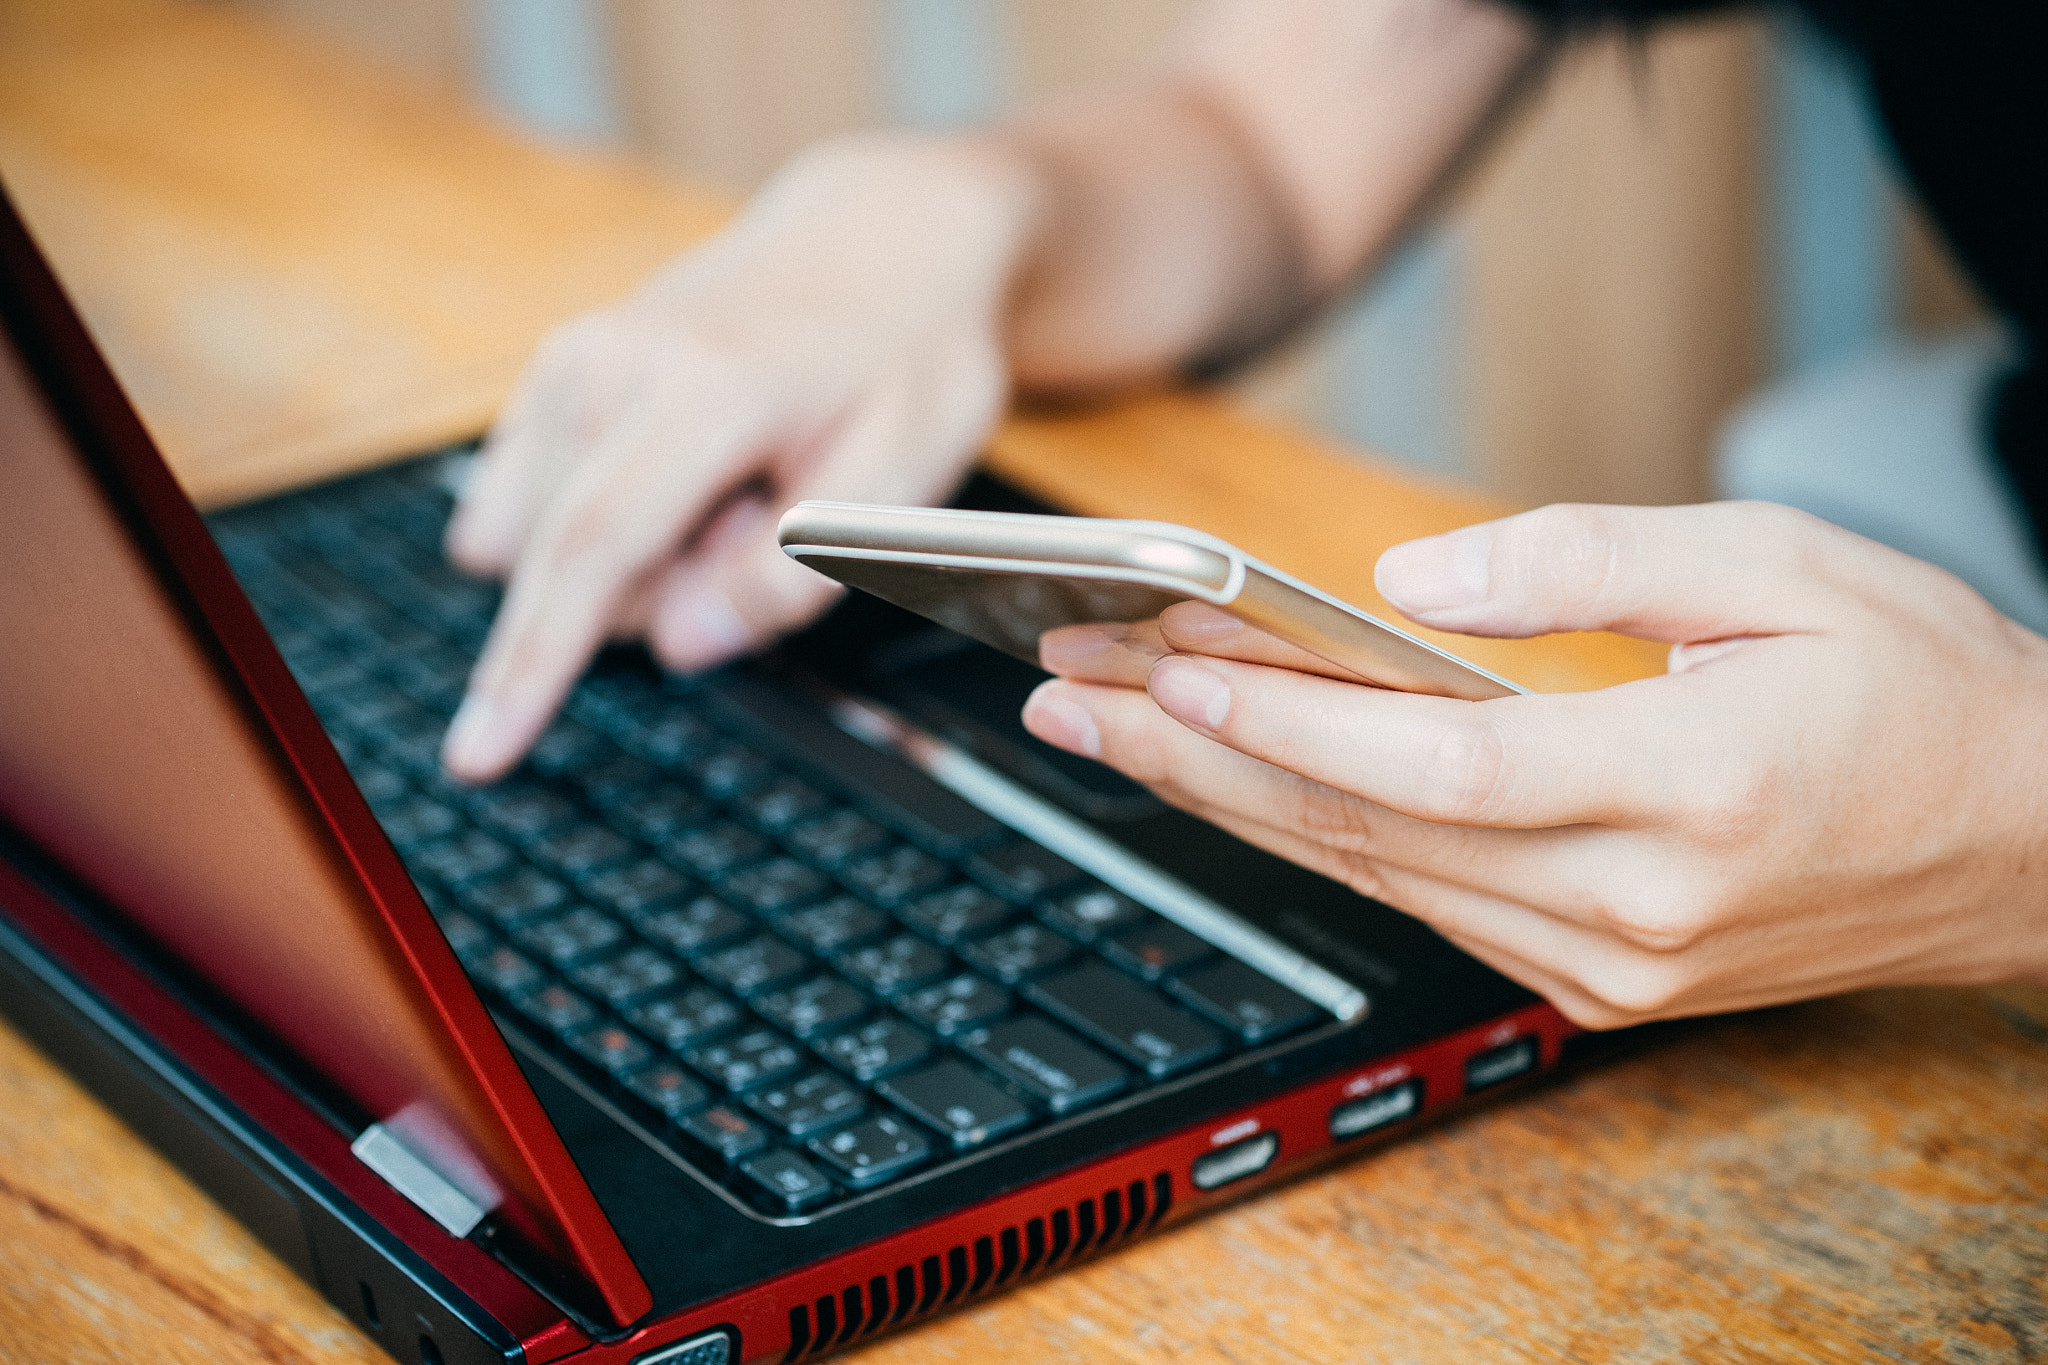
(965, 1272)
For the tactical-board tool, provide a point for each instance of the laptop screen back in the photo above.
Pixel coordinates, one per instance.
(135, 748)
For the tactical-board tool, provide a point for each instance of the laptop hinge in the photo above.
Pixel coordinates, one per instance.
(434, 1194)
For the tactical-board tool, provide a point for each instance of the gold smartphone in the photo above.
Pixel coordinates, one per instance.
(1005, 578)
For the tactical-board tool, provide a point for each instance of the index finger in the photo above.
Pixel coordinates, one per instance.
(1513, 762)
(613, 523)
(1198, 628)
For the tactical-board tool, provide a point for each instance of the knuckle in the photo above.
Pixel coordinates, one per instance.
(1592, 1014)
(1667, 923)
(1335, 818)
(1466, 776)
(1574, 550)
(1636, 986)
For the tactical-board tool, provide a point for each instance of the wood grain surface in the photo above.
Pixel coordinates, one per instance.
(1850, 1180)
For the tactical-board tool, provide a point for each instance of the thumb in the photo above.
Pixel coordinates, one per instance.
(1677, 574)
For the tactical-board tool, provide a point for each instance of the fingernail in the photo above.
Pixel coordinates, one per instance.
(1437, 573)
(468, 747)
(1062, 722)
(1200, 623)
(1190, 692)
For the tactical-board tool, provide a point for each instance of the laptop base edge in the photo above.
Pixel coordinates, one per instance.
(320, 1212)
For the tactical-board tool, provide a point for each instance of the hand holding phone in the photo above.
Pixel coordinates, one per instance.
(1005, 578)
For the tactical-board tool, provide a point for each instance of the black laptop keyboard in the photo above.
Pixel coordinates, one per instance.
(807, 968)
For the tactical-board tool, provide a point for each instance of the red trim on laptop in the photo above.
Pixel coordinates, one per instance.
(970, 1244)
(103, 970)
(89, 401)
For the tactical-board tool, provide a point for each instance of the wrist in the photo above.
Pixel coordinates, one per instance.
(969, 207)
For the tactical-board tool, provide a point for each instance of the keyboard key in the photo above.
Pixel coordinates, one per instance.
(955, 1006)
(522, 811)
(469, 856)
(811, 1007)
(1022, 871)
(803, 1106)
(668, 738)
(876, 1049)
(1088, 914)
(787, 1181)
(417, 754)
(702, 925)
(380, 786)
(433, 677)
(556, 1009)
(563, 746)
(717, 849)
(1129, 1019)
(726, 1131)
(669, 1088)
(956, 913)
(630, 977)
(837, 924)
(580, 849)
(891, 878)
(505, 971)
(659, 814)
(871, 1152)
(418, 821)
(749, 968)
(611, 780)
(746, 1061)
(324, 671)
(683, 1021)
(612, 1047)
(728, 768)
(1155, 949)
(831, 841)
(637, 888)
(783, 802)
(1247, 1002)
(523, 896)
(903, 963)
(468, 938)
(1018, 954)
(889, 789)
(570, 938)
(774, 886)
(952, 1099)
(1047, 1062)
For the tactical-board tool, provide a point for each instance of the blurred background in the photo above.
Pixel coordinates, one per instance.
(1672, 221)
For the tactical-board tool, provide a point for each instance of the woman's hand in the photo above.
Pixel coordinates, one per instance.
(853, 334)
(1842, 781)
(839, 341)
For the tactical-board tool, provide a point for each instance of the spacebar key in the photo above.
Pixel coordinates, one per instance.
(1128, 1018)
(1047, 1062)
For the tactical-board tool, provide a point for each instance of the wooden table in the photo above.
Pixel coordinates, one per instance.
(299, 266)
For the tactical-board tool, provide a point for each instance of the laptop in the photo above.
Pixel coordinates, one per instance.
(754, 1015)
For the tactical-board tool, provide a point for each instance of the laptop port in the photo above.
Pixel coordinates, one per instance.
(1235, 1162)
(1498, 1064)
(706, 1348)
(1368, 1112)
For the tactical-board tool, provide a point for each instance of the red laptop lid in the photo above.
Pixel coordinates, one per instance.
(152, 741)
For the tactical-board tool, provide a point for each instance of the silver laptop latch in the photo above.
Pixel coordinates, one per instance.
(435, 1195)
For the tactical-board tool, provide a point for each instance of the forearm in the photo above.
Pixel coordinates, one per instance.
(1273, 152)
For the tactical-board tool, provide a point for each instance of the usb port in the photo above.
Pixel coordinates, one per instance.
(1498, 1064)
(1376, 1110)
